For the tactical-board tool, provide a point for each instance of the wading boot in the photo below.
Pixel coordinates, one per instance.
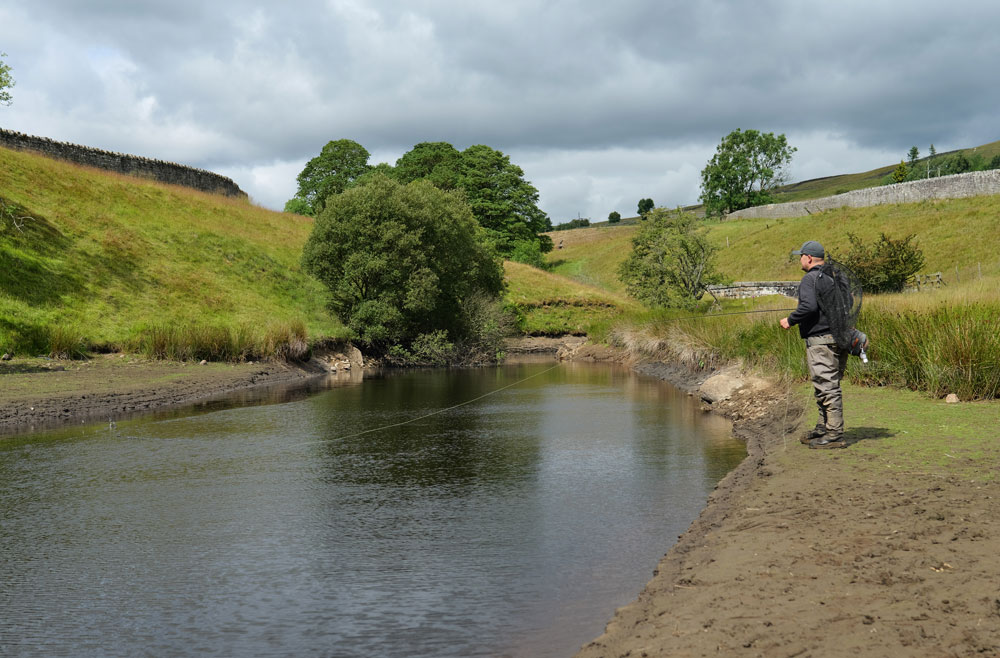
(828, 441)
(817, 432)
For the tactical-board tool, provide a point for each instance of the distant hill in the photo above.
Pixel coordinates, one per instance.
(104, 261)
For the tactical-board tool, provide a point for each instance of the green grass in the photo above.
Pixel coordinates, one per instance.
(759, 249)
(591, 255)
(904, 432)
(111, 262)
(936, 341)
(551, 304)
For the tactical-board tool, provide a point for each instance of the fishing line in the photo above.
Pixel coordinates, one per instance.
(433, 413)
(502, 388)
(719, 315)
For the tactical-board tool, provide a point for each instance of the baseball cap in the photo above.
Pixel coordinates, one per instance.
(810, 248)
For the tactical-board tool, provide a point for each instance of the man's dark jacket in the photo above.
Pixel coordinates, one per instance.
(809, 317)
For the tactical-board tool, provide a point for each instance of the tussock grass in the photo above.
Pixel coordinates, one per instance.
(102, 255)
(226, 343)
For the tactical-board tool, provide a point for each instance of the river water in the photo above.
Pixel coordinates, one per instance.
(511, 525)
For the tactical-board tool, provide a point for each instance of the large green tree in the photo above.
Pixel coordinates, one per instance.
(438, 162)
(503, 202)
(671, 261)
(746, 167)
(338, 165)
(402, 262)
(6, 82)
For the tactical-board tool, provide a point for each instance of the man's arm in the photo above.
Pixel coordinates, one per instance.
(808, 303)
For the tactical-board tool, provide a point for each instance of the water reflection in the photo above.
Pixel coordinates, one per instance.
(510, 526)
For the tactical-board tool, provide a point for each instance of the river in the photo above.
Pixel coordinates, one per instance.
(474, 512)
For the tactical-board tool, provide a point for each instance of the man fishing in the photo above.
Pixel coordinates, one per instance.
(825, 359)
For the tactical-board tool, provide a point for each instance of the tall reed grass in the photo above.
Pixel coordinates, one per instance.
(938, 344)
(288, 341)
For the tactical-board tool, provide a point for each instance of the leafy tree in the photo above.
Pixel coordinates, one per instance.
(337, 166)
(614, 217)
(503, 202)
(932, 151)
(402, 262)
(670, 264)
(645, 205)
(6, 82)
(884, 266)
(994, 162)
(438, 162)
(913, 155)
(746, 167)
(900, 173)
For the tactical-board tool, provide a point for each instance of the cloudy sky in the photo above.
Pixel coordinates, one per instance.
(601, 103)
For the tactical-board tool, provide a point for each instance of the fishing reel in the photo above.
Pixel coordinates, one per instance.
(859, 345)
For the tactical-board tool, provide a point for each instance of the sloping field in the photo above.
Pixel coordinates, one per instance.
(101, 260)
(553, 304)
(759, 249)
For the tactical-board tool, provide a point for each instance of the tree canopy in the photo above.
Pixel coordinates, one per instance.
(670, 264)
(503, 202)
(438, 162)
(401, 262)
(338, 165)
(746, 167)
(6, 82)
(644, 206)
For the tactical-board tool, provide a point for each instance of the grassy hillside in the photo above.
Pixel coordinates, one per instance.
(938, 341)
(105, 261)
(549, 303)
(829, 185)
(758, 249)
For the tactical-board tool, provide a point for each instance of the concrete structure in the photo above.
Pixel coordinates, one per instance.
(957, 186)
(122, 163)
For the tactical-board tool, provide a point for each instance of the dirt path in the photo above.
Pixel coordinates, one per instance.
(812, 553)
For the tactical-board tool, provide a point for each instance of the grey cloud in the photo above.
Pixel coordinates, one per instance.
(244, 86)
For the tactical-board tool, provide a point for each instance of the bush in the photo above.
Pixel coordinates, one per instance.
(528, 252)
(670, 264)
(614, 217)
(884, 266)
(401, 261)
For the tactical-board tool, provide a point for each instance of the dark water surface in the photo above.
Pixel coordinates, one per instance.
(511, 526)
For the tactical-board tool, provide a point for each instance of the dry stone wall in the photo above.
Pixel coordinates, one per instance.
(123, 163)
(957, 186)
(744, 289)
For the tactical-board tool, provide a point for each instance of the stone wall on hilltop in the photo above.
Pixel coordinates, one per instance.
(123, 163)
(957, 186)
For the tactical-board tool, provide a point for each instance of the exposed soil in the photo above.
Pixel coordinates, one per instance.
(800, 554)
(797, 553)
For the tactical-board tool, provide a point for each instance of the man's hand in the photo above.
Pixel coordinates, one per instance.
(784, 323)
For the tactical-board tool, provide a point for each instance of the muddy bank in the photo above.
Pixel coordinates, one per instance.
(807, 553)
(38, 394)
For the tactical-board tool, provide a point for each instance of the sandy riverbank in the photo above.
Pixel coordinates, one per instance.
(815, 553)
